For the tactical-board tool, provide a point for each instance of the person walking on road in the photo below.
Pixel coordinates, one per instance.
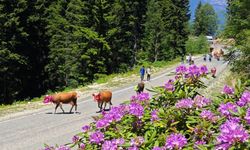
(210, 57)
(190, 59)
(213, 72)
(205, 57)
(148, 72)
(142, 73)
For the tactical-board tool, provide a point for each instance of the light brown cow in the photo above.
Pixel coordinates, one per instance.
(62, 98)
(103, 97)
(217, 53)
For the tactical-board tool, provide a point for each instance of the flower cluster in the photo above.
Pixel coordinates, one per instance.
(181, 69)
(136, 109)
(184, 103)
(201, 101)
(228, 90)
(142, 97)
(247, 117)
(154, 116)
(231, 133)
(245, 99)
(175, 141)
(112, 144)
(97, 137)
(208, 115)
(115, 114)
(204, 69)
(193, 70)
(75, 138)
(225, 109)
(169, 86)
(85, 128)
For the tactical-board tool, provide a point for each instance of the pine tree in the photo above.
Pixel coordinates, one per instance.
(205, 20)
(127, 32)
(12, 59)
(75, 49)
(154, 32)
(176, 16)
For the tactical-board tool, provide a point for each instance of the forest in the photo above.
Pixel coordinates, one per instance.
(49, 45)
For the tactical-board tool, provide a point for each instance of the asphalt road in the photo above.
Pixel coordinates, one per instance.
(31, 131)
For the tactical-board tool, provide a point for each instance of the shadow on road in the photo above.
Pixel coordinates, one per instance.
(61, 113)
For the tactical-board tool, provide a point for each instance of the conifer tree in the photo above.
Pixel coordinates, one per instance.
(176, 16)
(205, 20)
(154, 32)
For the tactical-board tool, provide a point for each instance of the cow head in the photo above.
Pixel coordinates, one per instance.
(96, 96)
(47, 99)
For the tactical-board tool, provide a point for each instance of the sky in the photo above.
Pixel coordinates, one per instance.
(219, 6)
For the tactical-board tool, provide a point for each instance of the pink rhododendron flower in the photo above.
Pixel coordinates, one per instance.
(184, 103)
(231, 133)
(175, 141)
(245, 99)
(228, 90)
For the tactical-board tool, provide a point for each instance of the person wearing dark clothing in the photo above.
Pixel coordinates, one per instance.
(142, 73)
(210, 57)
(205, 57)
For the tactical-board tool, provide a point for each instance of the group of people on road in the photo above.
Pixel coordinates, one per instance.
(209, 57)
(144, 71)
(189, 59)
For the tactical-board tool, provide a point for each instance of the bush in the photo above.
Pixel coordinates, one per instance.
(197, 45)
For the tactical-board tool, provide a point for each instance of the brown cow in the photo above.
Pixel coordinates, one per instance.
(103, 97)
(140, 87)
(217, 53)
(62, 98)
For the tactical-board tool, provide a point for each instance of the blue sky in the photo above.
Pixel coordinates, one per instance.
(219, 6)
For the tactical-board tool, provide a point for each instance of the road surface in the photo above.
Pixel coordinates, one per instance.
(31, 131)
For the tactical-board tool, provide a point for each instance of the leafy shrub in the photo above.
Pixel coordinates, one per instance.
(197, 45)
(176, 117)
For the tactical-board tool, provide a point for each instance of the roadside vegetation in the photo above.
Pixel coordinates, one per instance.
(105, 82)
(176, 117)
(238, 30)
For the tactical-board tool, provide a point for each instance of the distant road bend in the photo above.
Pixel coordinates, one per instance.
(30, 132)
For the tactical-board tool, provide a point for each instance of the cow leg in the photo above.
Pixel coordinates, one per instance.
(99, 106)
(61, 108)
(110, 104)
(71, 108)
(74, 104)
(104, 106)
(56, 107)
(75, 108)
